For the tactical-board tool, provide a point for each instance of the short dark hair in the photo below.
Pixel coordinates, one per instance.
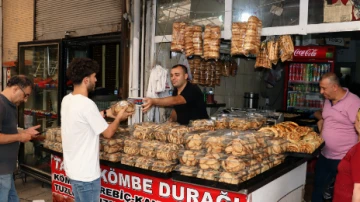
(20, 80)
(79, 68)
(333, 78)
(182, 67)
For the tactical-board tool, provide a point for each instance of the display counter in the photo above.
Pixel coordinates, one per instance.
(284, 182)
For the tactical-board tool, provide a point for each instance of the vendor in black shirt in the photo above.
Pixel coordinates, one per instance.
(187, 98)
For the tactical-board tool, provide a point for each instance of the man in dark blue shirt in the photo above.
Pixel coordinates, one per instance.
(18, 90)
(187, 98)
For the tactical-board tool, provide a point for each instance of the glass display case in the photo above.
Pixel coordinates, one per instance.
(41, 63)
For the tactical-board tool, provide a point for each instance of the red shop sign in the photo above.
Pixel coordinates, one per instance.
(314, 52)
(120, 185)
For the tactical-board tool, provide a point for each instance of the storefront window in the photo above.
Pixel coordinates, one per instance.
(197, 12)
(316, 12)
(272, 13)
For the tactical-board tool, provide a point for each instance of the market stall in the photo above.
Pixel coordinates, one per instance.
(200, 162)
(122, 183)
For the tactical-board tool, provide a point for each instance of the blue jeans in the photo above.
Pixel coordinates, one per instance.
(325, 171)
(86, 191)
(7, 189)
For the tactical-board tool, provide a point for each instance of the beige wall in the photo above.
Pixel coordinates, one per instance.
(18, 19)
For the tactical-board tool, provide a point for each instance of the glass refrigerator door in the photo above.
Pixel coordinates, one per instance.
(303, 94)
(40, 63)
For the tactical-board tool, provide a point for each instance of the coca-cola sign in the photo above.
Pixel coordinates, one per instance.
(305, 53)
(314, 52)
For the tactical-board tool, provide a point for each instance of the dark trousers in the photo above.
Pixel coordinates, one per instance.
(325, 171)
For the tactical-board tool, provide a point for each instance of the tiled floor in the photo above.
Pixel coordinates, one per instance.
(33, 190)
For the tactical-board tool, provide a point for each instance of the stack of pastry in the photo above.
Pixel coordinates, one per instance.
(202, 124)
(178, 37)
(212, 37)
(262, 59)
(53, 139)
(189, 45)
(218, 72)
(246, 123)
(144, 131)
(203, 74)
(221, 155)
(300, 138)
(197, 40)
(210, 70)
(111, 149)
(195, 70)
(176, 134)
(226, 70)
(286, 48)
(252, 39)
(238, 30)
(273, 51)
(161, 132)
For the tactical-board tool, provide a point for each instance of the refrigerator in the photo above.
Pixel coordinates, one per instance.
(302, 76)
(41, 62)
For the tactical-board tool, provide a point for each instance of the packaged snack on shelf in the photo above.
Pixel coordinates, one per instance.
(132, 146)
(239, 123)
(217, 141)
(190, 157)
(117, 107)
(129, 160)
(178, 37)
(273, 51)
(234, 164)
(161, 132)
(190, 171)
(262, 59)
(144, 131)
(148, 148)
(242, 146)
(277, 146)
(286, 48)
(277, 159)
(163, 166)
(113, 149)
(114, 157)
(197, 40)
(202, 124)
(230, 178)
(168, 151)
(195, 140)
(103, 156)
(57, 147)
(212, 35)
(252, 40)
(222, 121)
(211, 161)
(176, 134)
(189, 45)
(48, 144)
(212, 175)
(238, 30)
(256, 120)
(144, 162)
(50, 134)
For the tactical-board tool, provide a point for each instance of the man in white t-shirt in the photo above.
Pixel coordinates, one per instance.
(81, 125)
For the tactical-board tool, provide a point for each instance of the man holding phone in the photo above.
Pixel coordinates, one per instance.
(17, 91)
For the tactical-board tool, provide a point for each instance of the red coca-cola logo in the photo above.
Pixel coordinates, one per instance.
(305, 53)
